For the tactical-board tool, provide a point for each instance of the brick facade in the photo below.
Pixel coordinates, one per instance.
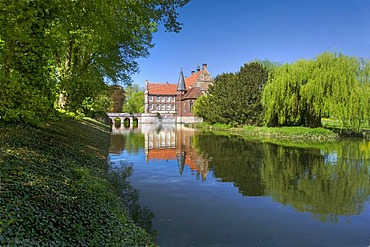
(175, 98)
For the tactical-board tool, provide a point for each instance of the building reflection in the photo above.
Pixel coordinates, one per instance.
(174, 142)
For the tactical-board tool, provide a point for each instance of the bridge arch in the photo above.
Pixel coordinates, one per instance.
(135, 122)
(116, 122)
(127, 120)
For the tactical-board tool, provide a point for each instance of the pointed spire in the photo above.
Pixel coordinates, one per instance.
(181, 162)
(181, 84)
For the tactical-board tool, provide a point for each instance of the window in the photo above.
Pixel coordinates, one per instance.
(151, 106)
(150, 97)
(191, 106)
(163, 98)
(158, 98)
(173, 98)
(168, 98)
(158, 107)
(163, 107)
(173, 107)
(168, 107)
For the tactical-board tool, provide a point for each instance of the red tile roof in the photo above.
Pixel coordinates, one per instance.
(170, 89)
(189, 81)
(162, 88)
(193, 93)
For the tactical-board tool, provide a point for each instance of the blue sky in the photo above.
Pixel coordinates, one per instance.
(225, 34)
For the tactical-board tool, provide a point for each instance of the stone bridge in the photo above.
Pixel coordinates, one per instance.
(150, 118)
(143, 117)
(122, 116)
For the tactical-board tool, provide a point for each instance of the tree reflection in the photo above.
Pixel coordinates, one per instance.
(131, 142)
(312, 181)
(326, 182)
(233, 160)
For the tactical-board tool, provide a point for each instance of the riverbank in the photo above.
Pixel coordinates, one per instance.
(292, 134)
(55, 188)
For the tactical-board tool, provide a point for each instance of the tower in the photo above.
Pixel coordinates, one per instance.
(181, 90)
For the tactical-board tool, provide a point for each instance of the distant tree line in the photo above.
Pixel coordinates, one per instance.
(62, 53)
(298, 94)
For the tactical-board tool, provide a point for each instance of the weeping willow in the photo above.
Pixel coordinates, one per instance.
(331, 85)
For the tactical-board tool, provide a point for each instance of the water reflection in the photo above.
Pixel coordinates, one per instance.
(326, 184)
(327, 181)
(162, 142)
(248, 191)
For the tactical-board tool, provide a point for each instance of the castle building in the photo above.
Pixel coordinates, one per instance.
(177, 99)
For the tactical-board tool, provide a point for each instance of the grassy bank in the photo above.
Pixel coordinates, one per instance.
(55, 189)
(292, 134)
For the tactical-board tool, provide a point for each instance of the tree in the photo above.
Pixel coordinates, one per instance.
(332, 85)
(26, 87)
(117, 96)
(134, 102)
(235, 97)
(52, 47)
(98, 39)
(282, 100)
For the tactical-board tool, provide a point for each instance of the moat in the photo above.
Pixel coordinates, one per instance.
(213, 190)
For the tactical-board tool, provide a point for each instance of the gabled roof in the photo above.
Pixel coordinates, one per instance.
(193, 93)
(162, 88)
(189, 81)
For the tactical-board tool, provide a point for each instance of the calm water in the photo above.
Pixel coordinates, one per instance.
(212, 190)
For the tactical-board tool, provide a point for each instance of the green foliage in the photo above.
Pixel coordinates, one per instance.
(55, 189)
(134, 102)
(92, 107)
(70, 49)
(292, 134)
(96, 40)
(235, 98)
(117, 97)
(332, 85)
(26, 85)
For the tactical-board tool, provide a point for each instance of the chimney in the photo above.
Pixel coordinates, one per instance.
(198, 68)
(192, 72)
(204, 66)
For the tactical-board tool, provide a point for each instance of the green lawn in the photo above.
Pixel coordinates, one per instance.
(295, 134)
